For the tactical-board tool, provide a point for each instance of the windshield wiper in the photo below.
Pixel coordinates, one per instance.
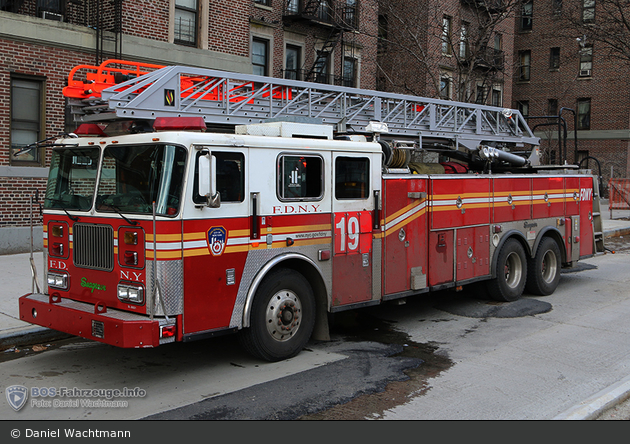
(61, 205)
(117, 210)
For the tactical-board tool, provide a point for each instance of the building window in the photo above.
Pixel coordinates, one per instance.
(445, 87)
(523, 107)
(292, 62)
(480, 99)
(383, 30)
(27, 107)
(320, 72)
(588, 11)
(260, 56)
(584, 114)
(527, 13)
(323, 11)
(498, 42)
(524, 65)
(554, 58)
(586, 61)
(186, 22)
(552, 107)
(263, 2)
(557, 6)
(463, 41)
(496, 97)
(349, 71)
(293, 6)
(350, 13)
(50, 9)
(446, 35)
(581, 155)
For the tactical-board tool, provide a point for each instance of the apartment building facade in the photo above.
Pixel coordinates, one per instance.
(561, 71)
(42, 40)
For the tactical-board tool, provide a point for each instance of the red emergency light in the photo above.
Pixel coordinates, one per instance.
(179, 124)
(90, 129)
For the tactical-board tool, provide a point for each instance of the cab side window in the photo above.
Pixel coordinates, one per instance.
(352, 178)
(300, 177)
(230, 177)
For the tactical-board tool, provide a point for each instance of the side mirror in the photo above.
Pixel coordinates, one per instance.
(207, 180)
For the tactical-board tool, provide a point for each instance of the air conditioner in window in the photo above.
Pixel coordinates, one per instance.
(52, 16)
(585, 72)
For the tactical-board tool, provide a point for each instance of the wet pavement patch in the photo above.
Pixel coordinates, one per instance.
(474, 308)
(581, 266)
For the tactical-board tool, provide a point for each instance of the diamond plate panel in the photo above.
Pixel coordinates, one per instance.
(170, 275)
(257, 259)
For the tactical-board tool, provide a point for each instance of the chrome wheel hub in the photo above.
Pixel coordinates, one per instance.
(283, 315)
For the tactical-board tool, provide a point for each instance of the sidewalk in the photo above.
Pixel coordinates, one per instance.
(15, 281)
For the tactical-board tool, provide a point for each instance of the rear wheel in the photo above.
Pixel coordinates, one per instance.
(282, 316)
(544, 269)
(511, 276)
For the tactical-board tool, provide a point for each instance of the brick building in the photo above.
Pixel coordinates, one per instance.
(42, 40)
(452, 49)
(560, 72)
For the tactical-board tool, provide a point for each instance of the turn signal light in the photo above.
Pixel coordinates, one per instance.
(131, 237)
(56, 230)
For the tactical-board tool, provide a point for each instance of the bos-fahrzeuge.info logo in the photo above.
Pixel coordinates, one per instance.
(17, 396)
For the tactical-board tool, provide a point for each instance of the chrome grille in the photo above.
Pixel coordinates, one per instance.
(93, 246)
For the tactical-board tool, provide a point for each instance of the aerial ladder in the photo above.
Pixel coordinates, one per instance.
(466, 131)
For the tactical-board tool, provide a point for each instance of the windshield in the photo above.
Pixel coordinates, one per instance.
(72, 178)
(134, 177)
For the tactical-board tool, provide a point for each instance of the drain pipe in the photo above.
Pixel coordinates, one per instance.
(34, 283)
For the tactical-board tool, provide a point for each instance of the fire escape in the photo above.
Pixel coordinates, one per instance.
(487, 59)
(338, 17)
(108, 26)
(103, 16)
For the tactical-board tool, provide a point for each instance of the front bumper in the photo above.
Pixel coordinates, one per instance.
(114, 327)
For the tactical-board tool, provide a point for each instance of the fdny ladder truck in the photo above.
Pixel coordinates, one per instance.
(192, 202)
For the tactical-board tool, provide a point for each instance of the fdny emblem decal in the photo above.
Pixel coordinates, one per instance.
(217, 238)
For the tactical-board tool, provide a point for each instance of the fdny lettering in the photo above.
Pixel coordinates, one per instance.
(130, 275)
(59, 265)
(296, 209)
(586, 194)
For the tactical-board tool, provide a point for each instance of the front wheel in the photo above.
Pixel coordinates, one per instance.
(509, 283)
(544, 269)
(282, 316)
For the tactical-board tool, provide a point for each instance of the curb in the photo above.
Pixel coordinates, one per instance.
(22, 336)
(616, 233)
(597, 404)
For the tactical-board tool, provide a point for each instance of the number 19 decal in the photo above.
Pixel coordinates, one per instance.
(348, 233)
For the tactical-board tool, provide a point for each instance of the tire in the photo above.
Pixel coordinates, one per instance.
(282, 317)
(511, 277)
(544, 269)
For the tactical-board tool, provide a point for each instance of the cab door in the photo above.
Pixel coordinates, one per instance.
(353, 207)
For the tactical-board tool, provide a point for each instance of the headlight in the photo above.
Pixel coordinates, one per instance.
(131, 293)
(57, 280)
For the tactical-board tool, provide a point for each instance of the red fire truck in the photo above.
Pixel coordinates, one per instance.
(191, 203)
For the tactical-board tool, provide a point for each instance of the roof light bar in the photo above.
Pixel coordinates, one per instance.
(179, 124)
